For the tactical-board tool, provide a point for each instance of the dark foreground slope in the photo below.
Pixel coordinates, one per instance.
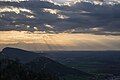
(13, 70)
(17, 61)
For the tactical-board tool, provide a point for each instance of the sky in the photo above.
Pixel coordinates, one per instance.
(62, 1)
(50, 26)
(58, 42)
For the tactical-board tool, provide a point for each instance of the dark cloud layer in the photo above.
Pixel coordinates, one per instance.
(81, 17)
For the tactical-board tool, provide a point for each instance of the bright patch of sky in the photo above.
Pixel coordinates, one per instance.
(72, 2)
(58, 42)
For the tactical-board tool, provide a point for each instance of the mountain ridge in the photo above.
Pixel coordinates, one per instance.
(37, 62)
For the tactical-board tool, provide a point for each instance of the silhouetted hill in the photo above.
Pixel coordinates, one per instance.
(22, 55)
(36, 62)
(13, 70)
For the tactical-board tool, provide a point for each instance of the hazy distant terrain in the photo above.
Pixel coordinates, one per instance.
(89, 61)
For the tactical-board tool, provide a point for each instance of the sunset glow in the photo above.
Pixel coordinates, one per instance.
(63, 41)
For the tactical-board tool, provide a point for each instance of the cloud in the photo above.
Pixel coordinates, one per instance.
(102, 19)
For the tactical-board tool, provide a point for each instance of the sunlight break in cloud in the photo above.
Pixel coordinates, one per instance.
(63, 41)
(55, 12)
(14, 9)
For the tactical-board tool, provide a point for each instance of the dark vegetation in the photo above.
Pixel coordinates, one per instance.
(13, 70)
(17, 64)
(13, 66)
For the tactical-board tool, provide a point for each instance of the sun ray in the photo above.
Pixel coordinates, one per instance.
(62, 41)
